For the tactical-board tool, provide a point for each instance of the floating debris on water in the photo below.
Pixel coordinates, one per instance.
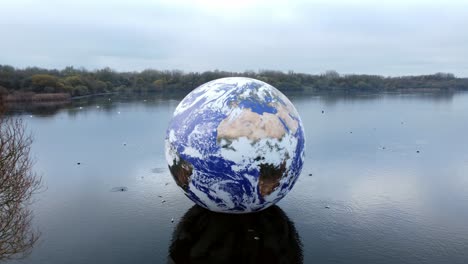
(327, 207)
(256, 238)
(310, 174)
(167, 183)
(172, 220)
(323, 111)
(417, 151)
(119, 189)
(78, 163)
(163, 201)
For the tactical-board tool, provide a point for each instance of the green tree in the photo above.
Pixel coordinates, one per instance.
(40, 82)
(159, 85)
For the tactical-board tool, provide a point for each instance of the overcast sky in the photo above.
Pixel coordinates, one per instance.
(372, 37)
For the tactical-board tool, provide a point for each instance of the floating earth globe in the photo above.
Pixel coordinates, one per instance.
(235, 145)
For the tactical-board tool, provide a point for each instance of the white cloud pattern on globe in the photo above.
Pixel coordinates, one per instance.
(235, 145)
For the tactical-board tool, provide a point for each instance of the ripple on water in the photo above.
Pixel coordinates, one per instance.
(158, 170)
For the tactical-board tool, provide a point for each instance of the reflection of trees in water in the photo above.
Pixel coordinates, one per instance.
(333, 97)
(38, 108)
(107, 103)
(150, 100)
(207, 237)
(17, 185)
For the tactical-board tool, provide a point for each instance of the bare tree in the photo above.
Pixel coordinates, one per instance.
(17, 184)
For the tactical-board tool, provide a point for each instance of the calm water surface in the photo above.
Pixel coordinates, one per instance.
(371, 198)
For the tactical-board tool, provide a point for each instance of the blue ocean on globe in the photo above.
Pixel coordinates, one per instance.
(235, 145)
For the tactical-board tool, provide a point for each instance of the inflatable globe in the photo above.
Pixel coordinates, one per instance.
(235, 145)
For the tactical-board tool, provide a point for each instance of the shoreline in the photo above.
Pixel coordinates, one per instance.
(61, 98)
(37, 97)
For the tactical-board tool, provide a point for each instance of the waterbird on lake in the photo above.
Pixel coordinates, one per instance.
(119, 189)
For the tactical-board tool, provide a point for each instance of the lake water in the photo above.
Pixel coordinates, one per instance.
(371, 197)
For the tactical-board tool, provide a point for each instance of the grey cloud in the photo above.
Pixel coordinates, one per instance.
(396, 39)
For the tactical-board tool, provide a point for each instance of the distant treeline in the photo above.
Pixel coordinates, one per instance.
(80, 82)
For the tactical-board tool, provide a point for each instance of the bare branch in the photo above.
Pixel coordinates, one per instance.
(17, 184)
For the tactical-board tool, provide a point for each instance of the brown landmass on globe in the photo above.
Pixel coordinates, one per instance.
(255, 126)
(181, 172)
(284, 114)
(251, 125)
(270, 176)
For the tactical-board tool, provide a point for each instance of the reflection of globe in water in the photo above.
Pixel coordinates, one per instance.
(235, 145)
(205, 237)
